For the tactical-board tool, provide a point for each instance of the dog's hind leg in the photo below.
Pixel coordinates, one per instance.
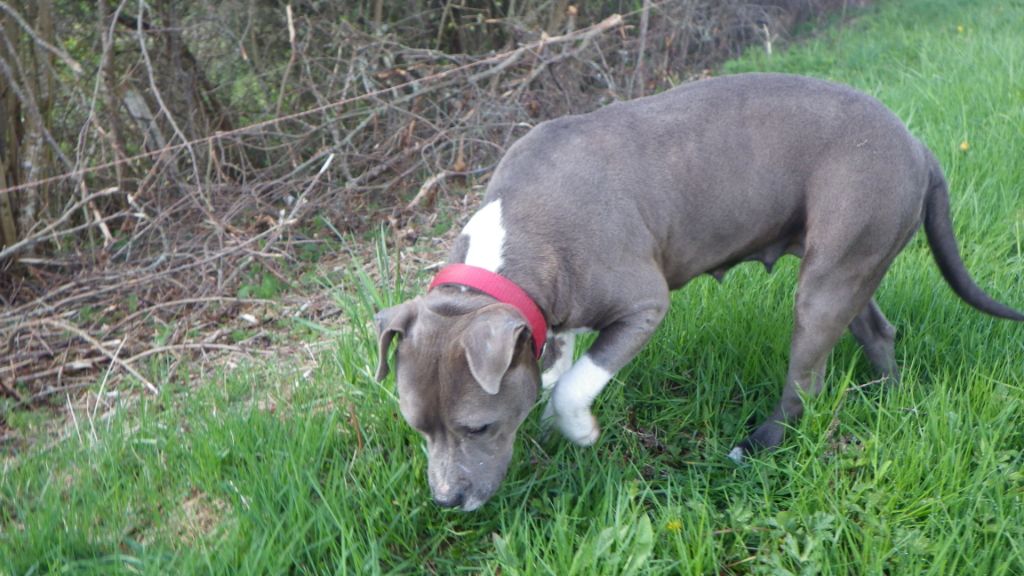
(830, 295)
(877, 337)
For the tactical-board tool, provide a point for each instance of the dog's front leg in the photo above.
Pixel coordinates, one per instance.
(562, 346)
(616, 345)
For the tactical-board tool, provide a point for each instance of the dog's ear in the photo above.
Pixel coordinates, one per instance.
(491, 343)
(391, 321)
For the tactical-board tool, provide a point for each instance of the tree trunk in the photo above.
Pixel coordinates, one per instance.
(10, 142)
(109, 89)
(558, 13)
(27, 71)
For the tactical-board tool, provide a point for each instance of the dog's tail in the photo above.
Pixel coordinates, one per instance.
(938, 227)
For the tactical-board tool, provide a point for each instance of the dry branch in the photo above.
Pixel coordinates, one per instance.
(99, 347)
(66, 58)
(44, 234)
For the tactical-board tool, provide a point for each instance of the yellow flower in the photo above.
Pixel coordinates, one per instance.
(964, 146)
(674, 526)
(959, 28)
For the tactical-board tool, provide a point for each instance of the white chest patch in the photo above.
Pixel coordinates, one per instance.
(486, 238)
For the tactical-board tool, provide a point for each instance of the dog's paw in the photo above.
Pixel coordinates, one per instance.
(737, 455)
(580, 428)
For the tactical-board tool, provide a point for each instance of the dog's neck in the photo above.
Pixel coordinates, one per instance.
(501, 289)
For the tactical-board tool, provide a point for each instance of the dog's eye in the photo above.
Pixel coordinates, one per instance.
(477, 430)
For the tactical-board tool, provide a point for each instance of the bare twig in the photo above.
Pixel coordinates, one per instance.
(45, 232)
(426, 191)
(638, 75)
(103, 350)
(183, 347)
(64, 56)
(583, 35)
(291, 59)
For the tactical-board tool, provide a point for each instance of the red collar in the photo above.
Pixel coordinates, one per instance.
(500, 288)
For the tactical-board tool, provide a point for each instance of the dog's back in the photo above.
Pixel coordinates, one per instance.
(739, 163)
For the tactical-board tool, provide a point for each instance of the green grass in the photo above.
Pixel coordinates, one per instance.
(306, 467)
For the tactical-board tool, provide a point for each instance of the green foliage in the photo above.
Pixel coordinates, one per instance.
(261, 284)
(306, 467)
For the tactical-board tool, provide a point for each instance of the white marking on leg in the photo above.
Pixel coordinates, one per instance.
(486, 238)
(736, 455)
(566, 346)
(571, 399)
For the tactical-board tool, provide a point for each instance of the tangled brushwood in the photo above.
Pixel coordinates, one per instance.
(168, 170)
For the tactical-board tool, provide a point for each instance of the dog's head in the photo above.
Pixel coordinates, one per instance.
(467, 379)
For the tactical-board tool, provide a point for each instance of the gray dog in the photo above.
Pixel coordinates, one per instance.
(589, 221)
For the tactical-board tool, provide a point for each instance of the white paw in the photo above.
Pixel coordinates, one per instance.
(737, 455)
(569, 406)
(580, 428)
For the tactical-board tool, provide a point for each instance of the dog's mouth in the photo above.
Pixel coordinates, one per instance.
(464, 501)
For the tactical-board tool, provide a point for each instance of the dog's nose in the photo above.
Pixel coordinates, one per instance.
(452, 499)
